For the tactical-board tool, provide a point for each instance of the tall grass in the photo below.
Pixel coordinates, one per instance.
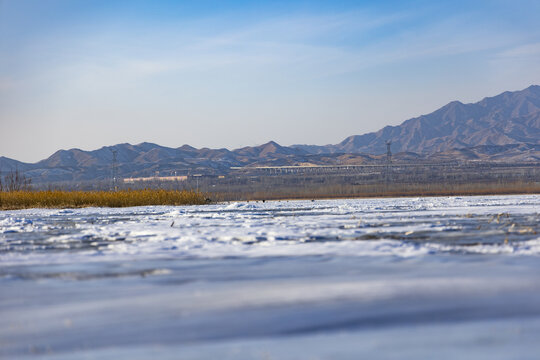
(76, 199)
(381, 190)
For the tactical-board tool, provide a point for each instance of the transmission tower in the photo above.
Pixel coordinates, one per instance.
(114, 170)
(388, 161)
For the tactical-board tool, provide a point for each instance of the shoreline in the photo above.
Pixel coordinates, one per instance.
(376, 197)
(195, 198)
(383, 191)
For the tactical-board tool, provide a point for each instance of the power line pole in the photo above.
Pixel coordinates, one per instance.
(114, 170)
(388, 161)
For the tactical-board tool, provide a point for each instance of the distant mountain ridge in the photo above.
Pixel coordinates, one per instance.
(505, 127)
(508, 118)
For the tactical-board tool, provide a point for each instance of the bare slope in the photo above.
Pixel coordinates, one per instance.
(508, 118)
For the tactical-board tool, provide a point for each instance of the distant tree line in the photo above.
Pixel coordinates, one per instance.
(15, 181)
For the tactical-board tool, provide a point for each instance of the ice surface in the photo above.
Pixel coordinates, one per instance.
(265, 280)
(375, 227)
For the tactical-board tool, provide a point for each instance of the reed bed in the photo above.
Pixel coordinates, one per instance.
(383, 190)
(76, 199)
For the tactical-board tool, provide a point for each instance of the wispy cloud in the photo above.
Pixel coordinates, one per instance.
(522, 51)
(173, 47)
(297, 48)
(323, 44)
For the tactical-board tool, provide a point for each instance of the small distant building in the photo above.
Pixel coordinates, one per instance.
(155, 178)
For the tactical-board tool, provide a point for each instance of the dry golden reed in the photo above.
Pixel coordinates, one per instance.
(390, 190)
(76, 199)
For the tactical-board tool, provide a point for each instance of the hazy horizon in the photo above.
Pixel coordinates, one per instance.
(92, 74)
(229, 148)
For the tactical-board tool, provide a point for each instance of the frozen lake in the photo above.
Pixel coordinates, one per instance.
(445, 278)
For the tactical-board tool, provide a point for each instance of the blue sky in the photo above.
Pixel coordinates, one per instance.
(234, 73)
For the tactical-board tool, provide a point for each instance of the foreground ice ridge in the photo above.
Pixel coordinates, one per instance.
(404, 227)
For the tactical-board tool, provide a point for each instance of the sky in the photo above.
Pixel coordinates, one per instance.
(87, 74)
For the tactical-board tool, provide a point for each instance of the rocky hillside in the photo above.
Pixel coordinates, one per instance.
(508, 118)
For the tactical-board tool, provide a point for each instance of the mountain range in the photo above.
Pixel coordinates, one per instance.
(505, 127)
(508, 118)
